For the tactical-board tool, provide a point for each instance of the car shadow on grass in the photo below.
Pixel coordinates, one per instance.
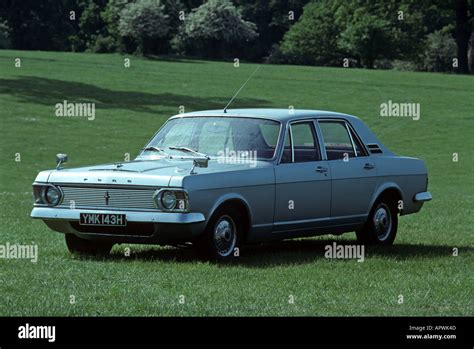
(289, 252)
(49, 92)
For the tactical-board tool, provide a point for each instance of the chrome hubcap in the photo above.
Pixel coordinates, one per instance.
(382, 222)
(225, 236)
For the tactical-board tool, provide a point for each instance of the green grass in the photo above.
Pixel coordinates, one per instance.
(131, 104)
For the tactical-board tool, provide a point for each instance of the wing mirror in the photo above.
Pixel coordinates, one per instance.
(60, 159)
(202, 163)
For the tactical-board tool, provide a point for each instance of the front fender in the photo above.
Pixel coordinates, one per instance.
(228, 197)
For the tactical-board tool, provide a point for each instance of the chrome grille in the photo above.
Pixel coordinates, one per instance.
(107, 198)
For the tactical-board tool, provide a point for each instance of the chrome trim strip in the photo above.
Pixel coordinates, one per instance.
(119, 198)
(153, 217)
(324, 219)
(352, 140)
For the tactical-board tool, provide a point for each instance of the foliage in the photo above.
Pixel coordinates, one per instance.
(145, 24)
(440, 52)
(321, 32)
(273, 18)
(38, 25)
(215, 29)
(368, 38)
(402, 65)
(313, 39)
(4, 35)
(330, 30)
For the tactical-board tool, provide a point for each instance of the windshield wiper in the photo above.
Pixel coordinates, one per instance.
(153, 148)
(189, 150)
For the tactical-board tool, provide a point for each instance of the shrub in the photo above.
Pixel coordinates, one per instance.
(145, 24)
(383, 63)
(313, 39)
(215, 29)
(276, 56)
(103, 44)
(440, 49)
(404, 65)
(368, 37)
(4, 36)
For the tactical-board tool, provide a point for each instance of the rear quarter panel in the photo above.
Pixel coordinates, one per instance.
(408, 175)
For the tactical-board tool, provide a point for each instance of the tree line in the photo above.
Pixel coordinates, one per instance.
(429, 35)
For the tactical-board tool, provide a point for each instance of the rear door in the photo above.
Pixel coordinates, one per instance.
(303, 186)
(353, 171)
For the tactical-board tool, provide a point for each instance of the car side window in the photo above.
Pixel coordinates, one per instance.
(337, 140)
(304, 142)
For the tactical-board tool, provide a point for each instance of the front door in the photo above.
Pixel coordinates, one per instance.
(303, 181)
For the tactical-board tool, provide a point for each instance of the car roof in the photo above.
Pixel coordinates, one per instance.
(285, 115)
(282, 115)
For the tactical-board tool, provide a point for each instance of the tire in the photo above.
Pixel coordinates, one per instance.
(222, 237)
(76, 245)
(382, 224)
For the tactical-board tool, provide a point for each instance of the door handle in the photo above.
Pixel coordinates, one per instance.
(321, 169)
(368, 166)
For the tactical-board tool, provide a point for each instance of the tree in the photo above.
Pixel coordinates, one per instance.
(38, 25)
(462, 34)
(91, 24)
(215, 29)
(313, 39)
(368, 38)
(273, 18)
(146, 24)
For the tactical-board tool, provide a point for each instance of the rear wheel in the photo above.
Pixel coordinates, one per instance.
(381, 226)
(222, 237)
(87, 247)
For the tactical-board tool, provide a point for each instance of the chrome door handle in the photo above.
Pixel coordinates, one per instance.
(369, 166)
(321, 169)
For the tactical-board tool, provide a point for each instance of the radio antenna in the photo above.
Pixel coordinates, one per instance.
(240, 89)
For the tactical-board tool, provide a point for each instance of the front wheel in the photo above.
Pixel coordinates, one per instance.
(381, 226)
(221, 240)
(77, 245)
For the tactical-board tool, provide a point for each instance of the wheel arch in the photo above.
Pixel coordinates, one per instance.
(238, 201)
(391, 189)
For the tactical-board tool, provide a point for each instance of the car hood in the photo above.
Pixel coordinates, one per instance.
(159, 172)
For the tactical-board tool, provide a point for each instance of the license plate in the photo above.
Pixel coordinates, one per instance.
(103, 219)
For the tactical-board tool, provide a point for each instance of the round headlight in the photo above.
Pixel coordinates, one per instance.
(53, 196)
(168, 200)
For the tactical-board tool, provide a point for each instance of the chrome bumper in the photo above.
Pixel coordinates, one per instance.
(423, 196)
(50, 213)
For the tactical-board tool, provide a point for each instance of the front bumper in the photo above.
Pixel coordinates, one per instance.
(51, 213)
(142, 227)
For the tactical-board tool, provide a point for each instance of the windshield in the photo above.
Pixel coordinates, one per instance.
(216, 137)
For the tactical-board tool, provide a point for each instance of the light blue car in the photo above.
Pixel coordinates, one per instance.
(221, 179)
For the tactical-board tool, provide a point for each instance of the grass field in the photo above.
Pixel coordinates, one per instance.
(131, 104)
